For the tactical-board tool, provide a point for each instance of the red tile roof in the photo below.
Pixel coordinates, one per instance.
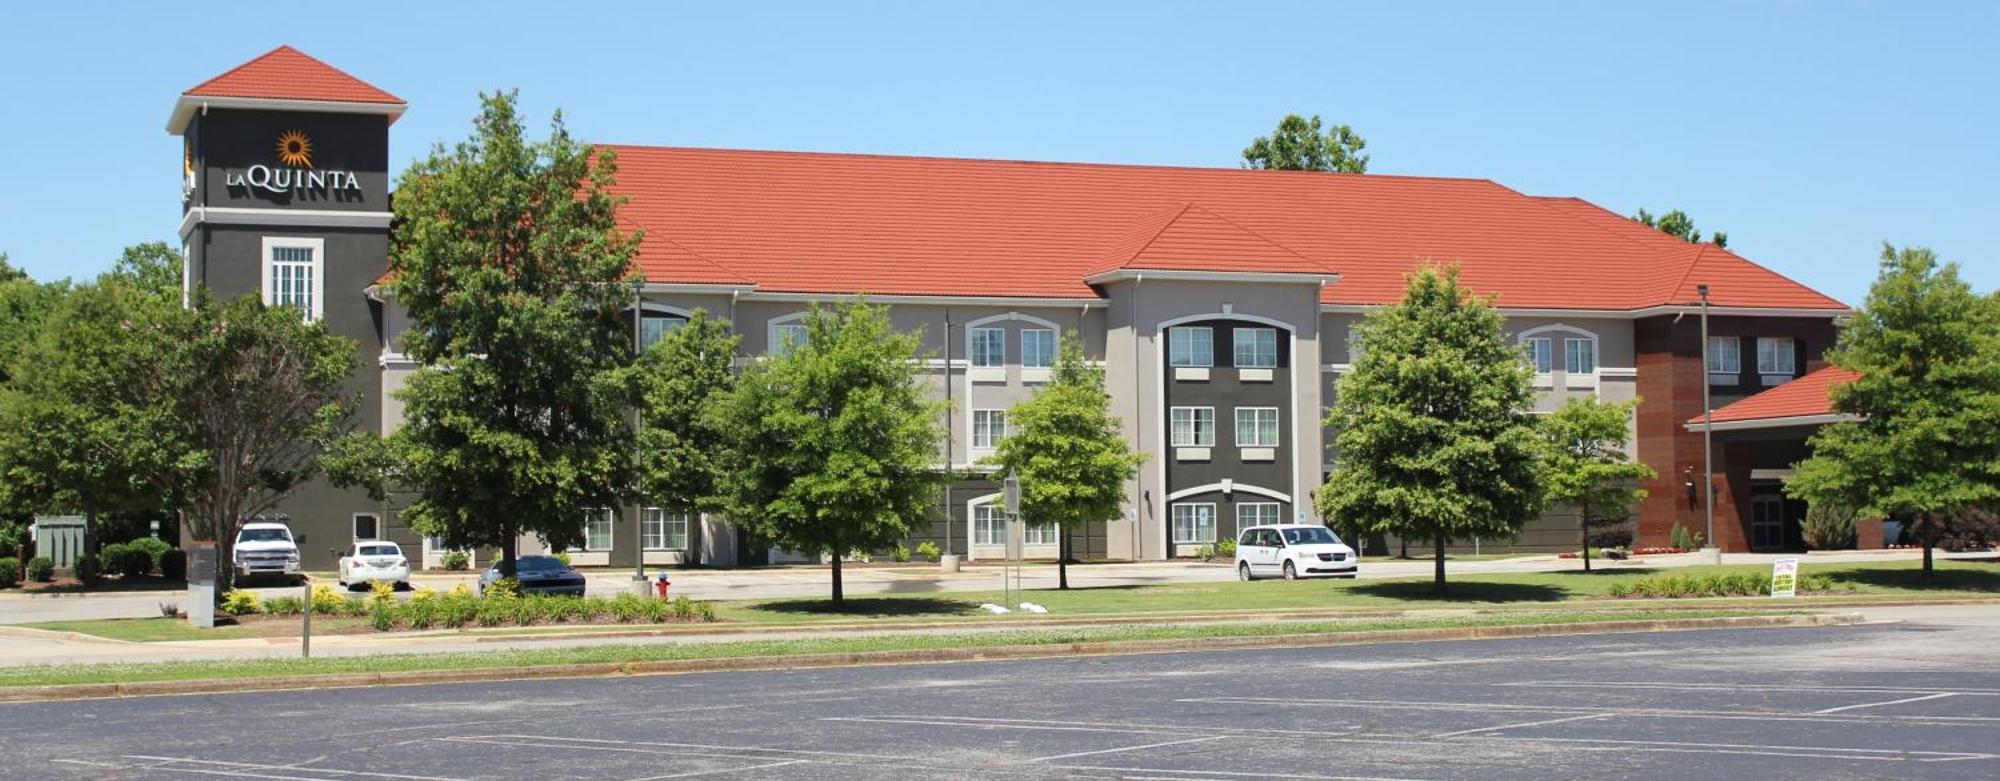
(1808, 395)
(847, 223)
(286, 73)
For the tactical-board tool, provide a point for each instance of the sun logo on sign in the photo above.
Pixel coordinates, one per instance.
(295, 149)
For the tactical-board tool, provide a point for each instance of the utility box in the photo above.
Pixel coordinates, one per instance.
(201, 585)
(60, 537)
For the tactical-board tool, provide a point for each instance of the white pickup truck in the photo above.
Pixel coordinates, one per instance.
(266, 550)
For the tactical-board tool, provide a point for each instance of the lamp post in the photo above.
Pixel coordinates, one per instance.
(1707, 431)
(639, 511)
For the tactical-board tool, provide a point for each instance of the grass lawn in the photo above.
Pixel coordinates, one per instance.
(43, 675)
(1956, 578)
(153, 630)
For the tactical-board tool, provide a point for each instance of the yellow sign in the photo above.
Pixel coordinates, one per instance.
(294, 148)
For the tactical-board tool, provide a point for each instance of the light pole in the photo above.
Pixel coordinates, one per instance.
(639, 511)
(1707, 430)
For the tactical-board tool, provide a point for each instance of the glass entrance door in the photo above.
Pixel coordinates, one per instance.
(1767, 522)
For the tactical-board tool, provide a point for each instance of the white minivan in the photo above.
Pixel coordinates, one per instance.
(1292, 551)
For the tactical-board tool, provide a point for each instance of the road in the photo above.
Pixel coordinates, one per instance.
(1916, 699)
(807, 581)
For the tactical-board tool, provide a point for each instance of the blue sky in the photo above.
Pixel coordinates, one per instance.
(1810, 131)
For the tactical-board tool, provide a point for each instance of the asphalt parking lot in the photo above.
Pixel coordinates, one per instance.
(1910, 700)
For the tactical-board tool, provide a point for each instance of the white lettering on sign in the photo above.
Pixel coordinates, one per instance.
(291, 180)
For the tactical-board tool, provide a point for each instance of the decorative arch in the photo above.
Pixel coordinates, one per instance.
(1228, 487)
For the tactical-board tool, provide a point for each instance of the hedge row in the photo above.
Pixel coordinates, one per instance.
(1738, 584)
(459, 607)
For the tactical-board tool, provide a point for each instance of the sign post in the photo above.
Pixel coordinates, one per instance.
(201, 585)
(1010, 572)
(1785, 578)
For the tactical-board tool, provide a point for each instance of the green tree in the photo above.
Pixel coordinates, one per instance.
(1586, 466)
(508, 257)
(1434, 432)
(689, 370)
(1925, 450)
(153, 267)
(1678, 224)
(1066, 448)
(833, 446)
(1299, 144)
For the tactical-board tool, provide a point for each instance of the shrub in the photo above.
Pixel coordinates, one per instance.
(705, 610)
(125, 559)
(380, 592)
(683, 608)
(353, 608)
(592, 608)
(899, 554)
(456, 560)
(241, 603)
(493, 612)
(504, 588)
(928, 550)
(655, 610)
(1678, 537)
(41, 569)
(174, 564)
(284, 606)
(326, 601)
(1226, 548)
(458, 608)
(10, 571)
(382, 616)
(154, 549)
(1205, 552)
(1828, 527)
(627, 608)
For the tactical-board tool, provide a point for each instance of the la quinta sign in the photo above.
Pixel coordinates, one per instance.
(294, 174)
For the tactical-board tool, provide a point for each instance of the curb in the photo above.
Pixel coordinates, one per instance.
(924, 656)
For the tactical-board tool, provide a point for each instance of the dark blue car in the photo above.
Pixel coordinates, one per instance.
(538, 575)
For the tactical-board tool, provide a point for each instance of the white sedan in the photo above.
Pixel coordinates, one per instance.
(374, 561)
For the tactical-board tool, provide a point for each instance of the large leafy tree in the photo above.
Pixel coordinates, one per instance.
(1300, 144)
(1434, 432)
(689, 370)
(1678, 224)
(832, 446)
(508, 257)
(1065, 446)
(1926, 447)
(1586, 465)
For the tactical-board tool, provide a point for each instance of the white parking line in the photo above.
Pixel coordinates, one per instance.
(1657, 713)
(1126, 748)
(1520, 725)
(1178, 775)
(722, 771)
(741, 752)
(1753, 687)
(1939, 695)
(245, 768)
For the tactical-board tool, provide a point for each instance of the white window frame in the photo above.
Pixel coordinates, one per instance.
(1255, 428)
(988, 347)
(1541, 353)
(1276, 516)
(671, 321)
(1038, 534)
(1197, 338)
(1195, 430)
(989, 427)
(656, 529)
(1734, 355)
(1570, 355)
(778, 345)
(1257, 359)
(593, 517)
(1194, 536)
(1791, 367)
(994, 523)
(316, 307)
(354, 526)
(1039, 358)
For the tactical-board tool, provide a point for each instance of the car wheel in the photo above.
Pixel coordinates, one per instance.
(1291, 572)
(1243, 572)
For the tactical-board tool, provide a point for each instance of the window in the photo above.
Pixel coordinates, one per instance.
(1038, 348)
(1256, 348)
(1256, 426)
(786, 336)
(1538, 351)
(1580, 356)
(1039, 534)
(1354, 343)
(597, 529)
(1193, 426)
(1194, 523)
(367, 526)
(292, 274)
(1250, 514)
(653, 327)
(989, 525)
(663, 530)
(989, 347)
(989, 426)
(1774, 356)
(1191, 346)
(1725, 355)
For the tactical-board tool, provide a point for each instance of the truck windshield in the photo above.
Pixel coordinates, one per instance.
(264, 535)
(1316, 535)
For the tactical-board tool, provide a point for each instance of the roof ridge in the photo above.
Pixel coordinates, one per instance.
(1065, 163)
(1681, 281)
(1253, 232)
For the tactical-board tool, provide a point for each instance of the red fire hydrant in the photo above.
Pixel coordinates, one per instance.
(661, 585)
